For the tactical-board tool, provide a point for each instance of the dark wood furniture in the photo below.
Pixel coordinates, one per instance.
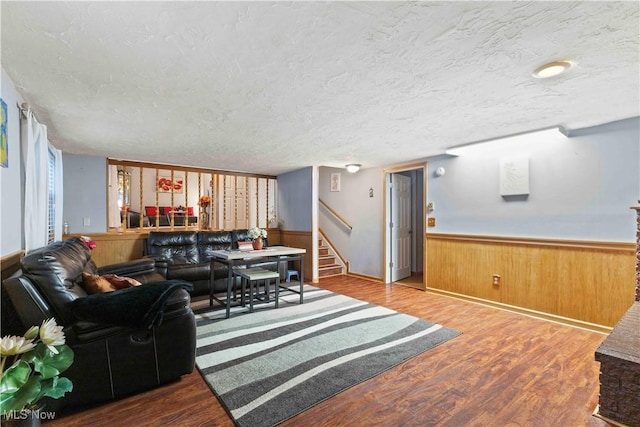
(619, 357)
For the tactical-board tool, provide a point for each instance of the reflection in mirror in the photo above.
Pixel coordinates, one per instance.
(124, 188)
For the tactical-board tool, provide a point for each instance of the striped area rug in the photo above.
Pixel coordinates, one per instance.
(272, 364)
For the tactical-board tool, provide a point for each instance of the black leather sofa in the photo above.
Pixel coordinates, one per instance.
(186, 255)
(119, 354)
(161, 216)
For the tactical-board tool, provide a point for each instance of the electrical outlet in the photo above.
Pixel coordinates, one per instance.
(87, 221)
(431, 221)
(496, 280)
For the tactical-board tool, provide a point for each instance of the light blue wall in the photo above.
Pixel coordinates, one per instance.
(363, 245)
(85, 193)
(580, 188)
(11, 212)
(295, 199)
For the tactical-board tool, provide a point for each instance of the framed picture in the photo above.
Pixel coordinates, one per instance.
(514, 176)
(166, 186)
(335, 181)
(4, 143)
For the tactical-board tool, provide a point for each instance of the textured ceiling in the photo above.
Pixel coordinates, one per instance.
(269, 87)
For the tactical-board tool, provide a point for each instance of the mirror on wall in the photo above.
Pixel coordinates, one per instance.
(148, 196)
(124, 188)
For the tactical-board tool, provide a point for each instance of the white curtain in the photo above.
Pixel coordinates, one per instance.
(35, 151)
(58, 185)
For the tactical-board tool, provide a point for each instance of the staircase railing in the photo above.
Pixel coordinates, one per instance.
(336, 215)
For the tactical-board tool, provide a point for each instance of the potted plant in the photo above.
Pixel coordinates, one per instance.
(34, 362)
(256, 235)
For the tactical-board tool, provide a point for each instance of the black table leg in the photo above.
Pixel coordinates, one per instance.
(301, 277)
(211, 284)
(229, 289)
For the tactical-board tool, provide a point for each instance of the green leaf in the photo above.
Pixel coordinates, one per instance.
(20, 385)
(56, 387)
(26, 395)
(15, 377)
(49, 364)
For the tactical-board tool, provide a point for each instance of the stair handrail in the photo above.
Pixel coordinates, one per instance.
(335, 214)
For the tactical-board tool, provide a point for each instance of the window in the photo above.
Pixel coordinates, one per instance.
(51, 198)
(43, 188)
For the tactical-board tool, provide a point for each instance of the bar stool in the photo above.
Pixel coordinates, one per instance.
(253, 276)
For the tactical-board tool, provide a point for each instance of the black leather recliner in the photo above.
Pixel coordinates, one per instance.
(112, 360)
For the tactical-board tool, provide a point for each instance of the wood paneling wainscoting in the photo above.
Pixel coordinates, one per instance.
(9, 264)
(113, 248)
(300, 239)
(589, 284)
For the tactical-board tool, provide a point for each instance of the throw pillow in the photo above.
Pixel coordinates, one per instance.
(150, 210)
(95, 284)
(120, 282)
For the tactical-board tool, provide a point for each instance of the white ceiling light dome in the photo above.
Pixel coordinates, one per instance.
(552, 69)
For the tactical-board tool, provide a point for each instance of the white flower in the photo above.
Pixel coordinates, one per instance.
(51, 334)
(255, 232)
(12, 345)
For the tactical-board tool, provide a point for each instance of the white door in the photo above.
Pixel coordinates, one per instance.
(400, 227)
(235, 203)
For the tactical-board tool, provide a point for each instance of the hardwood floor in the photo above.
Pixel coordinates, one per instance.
(504, 370)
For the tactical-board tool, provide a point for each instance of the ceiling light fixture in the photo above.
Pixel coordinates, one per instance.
(552, 69)
(353, 168)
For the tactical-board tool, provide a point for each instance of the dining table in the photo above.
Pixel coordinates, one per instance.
(235, 258)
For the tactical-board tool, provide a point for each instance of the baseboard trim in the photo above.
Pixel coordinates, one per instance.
(364, 276)
(592, 327)
(628, 247)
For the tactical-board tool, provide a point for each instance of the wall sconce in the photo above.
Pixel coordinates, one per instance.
(353, 167)
(440, 171)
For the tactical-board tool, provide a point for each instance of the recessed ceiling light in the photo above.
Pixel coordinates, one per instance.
(552, 69)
